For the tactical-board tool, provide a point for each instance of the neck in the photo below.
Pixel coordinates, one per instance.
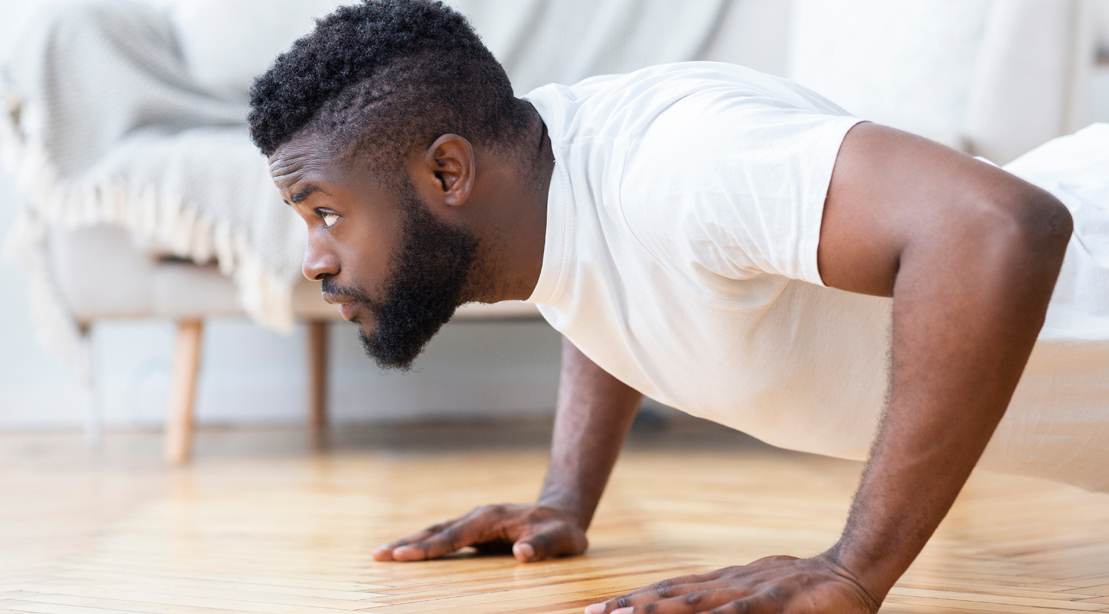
(517, 221)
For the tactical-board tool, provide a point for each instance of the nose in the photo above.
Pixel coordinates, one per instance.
(319, 260)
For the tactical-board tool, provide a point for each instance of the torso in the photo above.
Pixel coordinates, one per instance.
(696, 300)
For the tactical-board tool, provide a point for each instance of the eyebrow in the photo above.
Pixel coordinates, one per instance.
(304, 193)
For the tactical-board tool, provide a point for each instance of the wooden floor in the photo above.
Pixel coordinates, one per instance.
(261, 524)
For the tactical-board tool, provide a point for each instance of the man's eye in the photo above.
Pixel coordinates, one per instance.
(329, 218)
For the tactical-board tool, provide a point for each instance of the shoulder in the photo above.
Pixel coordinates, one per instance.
(743, 181)
(622, 106)
(735, 180)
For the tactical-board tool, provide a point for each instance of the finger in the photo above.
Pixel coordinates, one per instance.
(421, 535)
(674, 586)
(688, 603)
(748, 605)
(454, 537)
(677, 597)
(692, 593)
(692, 602)
(559, 540)
(385, 552)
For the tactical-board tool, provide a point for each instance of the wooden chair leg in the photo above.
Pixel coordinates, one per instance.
(317, 378)
(94, 411)
(186, 366)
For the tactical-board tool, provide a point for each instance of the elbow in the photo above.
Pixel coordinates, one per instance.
(1045, 223)
(1032, 230)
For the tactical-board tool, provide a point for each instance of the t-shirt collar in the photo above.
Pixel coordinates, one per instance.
(555, 249)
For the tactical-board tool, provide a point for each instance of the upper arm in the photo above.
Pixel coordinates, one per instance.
(891, 192)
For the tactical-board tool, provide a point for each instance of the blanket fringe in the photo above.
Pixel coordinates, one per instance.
(150, 217)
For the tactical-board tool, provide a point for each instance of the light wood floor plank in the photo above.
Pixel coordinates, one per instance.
(261, 525)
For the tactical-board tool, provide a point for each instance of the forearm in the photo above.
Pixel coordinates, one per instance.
(594, 414)
(967, 311)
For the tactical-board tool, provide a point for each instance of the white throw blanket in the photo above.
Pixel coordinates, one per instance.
(105, 125)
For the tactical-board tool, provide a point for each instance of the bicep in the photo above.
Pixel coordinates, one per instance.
(890, 189)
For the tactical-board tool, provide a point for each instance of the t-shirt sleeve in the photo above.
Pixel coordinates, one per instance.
(724, 187)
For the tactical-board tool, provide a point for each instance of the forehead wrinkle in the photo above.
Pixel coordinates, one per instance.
(290, 165)
(285, 172)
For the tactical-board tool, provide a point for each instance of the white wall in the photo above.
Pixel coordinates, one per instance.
(1100, 91)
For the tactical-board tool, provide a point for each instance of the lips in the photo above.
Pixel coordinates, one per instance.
(348, 310)
(347, 305)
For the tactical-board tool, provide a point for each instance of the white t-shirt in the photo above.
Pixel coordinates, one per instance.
(682, 229)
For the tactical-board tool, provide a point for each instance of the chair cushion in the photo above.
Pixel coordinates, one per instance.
(100, 273)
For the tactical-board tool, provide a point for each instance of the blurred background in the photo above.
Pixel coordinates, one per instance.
(990, 77)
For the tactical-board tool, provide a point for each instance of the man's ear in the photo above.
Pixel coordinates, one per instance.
(449, 167)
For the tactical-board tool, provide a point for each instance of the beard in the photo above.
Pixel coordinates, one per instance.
(428, 282)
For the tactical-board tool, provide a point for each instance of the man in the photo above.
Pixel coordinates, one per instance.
(721, 240)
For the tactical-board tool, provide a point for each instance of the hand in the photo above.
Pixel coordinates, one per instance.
(532, 532)
(773, 584)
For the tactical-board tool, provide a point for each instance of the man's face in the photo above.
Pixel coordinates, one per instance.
(392, 266)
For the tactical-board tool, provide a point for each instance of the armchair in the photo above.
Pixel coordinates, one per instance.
(102, 275)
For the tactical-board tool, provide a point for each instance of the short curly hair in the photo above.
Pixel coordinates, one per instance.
(383, 77)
